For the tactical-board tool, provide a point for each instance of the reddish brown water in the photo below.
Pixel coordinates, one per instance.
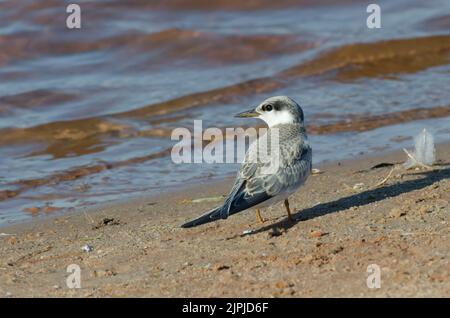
(86, 115)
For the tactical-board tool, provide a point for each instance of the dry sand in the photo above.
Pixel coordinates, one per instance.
(344, 224)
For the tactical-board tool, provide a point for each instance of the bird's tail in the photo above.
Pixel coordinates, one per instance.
(207, 217)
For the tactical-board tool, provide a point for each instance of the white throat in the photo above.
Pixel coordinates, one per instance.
(277, 118)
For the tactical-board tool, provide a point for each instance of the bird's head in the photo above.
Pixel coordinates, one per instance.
(275, 111)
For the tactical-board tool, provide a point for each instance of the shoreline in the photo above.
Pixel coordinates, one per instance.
(192, 189)
(344, 224)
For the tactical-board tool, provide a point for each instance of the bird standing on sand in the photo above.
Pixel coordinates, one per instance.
(257, 185)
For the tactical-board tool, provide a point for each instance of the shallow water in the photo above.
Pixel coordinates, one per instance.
(86, 115)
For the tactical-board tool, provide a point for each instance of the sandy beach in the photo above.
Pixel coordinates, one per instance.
(98, 98)
(344, 223)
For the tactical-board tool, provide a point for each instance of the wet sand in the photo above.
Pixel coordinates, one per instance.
(345, 222)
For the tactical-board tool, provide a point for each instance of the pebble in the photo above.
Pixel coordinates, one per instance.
(274, 233)
(104, 273)
(282, 284)
(13, 240)
(396, 213)
(337, 250)
(317, 233)
(87, 248)
(221, 267)
(425, 209)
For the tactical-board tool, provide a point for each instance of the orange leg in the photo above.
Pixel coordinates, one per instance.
(286, 204)
(259, 217)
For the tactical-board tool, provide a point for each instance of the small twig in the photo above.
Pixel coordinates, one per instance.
(415, 160)
(86, 239)
(387, 177)
(348, 187)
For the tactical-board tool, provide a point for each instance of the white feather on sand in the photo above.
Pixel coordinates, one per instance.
(424, 151)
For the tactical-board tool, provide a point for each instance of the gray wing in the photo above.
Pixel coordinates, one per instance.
(256, 182)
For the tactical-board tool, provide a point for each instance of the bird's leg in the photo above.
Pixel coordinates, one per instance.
(258, 216)
(286, 204)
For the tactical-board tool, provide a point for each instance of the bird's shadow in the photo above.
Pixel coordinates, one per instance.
(359, 199)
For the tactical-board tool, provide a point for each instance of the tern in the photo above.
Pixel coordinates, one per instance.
(262, 183)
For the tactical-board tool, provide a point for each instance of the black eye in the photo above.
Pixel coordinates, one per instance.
(268, 108)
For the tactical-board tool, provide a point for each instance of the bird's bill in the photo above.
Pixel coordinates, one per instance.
(248, 114)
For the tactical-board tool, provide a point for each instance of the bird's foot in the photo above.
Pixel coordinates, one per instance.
(288, 210)
(260, 219)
